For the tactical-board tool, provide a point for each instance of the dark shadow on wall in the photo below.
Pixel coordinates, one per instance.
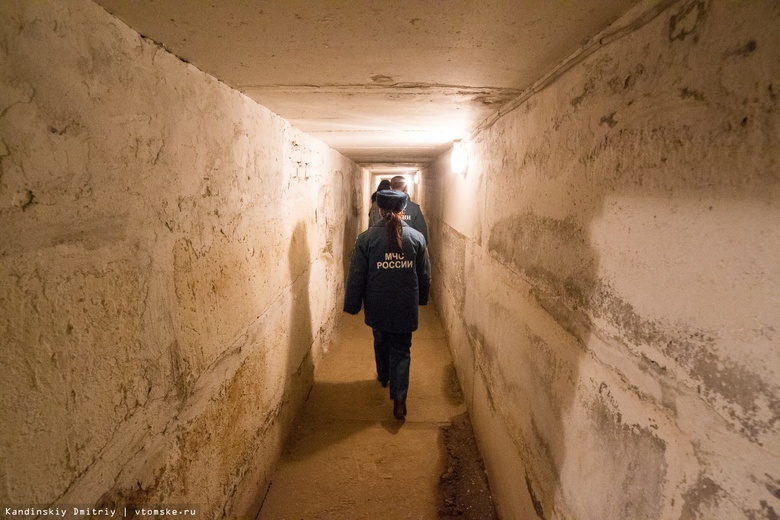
(300, 365)
(351, 231)
(555, 259)
(350, 236)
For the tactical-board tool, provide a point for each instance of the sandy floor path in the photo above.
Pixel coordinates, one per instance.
(349, 458)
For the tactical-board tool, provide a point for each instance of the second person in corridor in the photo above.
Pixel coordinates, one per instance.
(389, 273)
(412, 213)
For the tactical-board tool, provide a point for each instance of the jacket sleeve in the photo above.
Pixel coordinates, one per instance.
(423, 273)
(356, 280)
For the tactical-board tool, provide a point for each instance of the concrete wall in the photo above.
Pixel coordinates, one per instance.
(171, 269)
(607, 271)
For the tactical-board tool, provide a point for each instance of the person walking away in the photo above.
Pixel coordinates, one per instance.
(389, 275)
(412, 214)
(373, 212)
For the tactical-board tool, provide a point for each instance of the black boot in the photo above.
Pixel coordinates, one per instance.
(399, 409)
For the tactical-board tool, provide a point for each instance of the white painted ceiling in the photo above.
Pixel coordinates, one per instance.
(382, 81)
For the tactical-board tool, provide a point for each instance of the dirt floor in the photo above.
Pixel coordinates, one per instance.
(349, 458)
(464, 488)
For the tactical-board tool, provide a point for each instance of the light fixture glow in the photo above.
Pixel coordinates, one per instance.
(458, 158)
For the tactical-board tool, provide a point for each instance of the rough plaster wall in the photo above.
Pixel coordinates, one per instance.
(612, 301)
(170, 269)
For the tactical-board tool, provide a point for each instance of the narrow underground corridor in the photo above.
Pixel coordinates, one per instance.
(347, 456)
(181, 187)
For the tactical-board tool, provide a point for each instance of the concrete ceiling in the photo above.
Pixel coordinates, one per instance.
(382, 81)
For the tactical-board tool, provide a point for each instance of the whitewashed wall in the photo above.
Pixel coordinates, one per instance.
(608, 275)
(170, 269)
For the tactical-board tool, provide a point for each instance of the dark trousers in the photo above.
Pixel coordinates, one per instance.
(393, 357)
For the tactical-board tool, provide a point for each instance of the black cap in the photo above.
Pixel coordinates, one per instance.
(393, 200)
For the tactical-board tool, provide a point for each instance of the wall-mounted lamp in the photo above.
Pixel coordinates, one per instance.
(417, 177)
(458, 158)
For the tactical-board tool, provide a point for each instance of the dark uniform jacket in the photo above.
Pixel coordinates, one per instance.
(414, 217)
(391, 285)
